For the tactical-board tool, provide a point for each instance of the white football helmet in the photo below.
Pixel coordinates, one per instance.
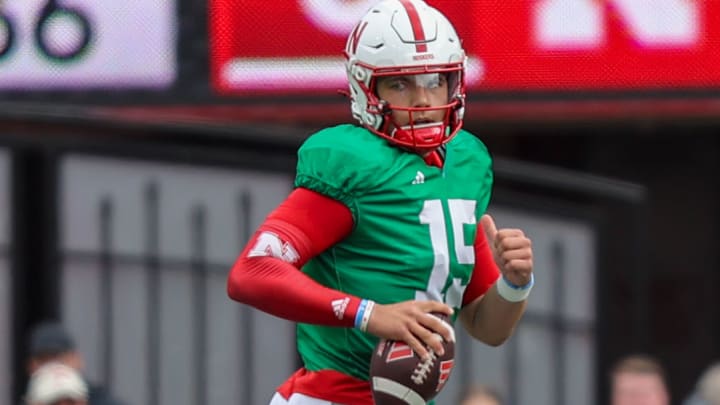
(405, 37)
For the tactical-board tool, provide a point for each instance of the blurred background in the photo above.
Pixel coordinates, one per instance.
(142, 141)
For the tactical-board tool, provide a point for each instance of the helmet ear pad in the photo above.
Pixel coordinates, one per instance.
(404, 38)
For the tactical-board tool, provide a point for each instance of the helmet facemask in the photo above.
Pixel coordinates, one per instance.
(420, 128)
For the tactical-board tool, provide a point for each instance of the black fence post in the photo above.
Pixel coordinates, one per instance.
(199, 269)
(107, 267)
(152, 268)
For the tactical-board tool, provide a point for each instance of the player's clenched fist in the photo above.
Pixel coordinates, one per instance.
(412, 323)
(512, 251)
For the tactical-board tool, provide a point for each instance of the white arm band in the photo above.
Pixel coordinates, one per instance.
(513, 293)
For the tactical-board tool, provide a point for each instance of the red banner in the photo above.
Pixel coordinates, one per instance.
(525, 45)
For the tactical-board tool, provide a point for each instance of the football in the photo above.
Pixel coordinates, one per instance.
(398, 376)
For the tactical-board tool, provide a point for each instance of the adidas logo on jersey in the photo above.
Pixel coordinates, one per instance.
(339, 307)
(419, 178)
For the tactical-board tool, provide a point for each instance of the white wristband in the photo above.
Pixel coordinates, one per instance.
(366, 315)
(513, 293)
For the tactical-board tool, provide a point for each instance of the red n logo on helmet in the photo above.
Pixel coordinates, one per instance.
(355, 38)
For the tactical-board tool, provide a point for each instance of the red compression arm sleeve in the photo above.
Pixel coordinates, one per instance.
(267, 275)
(485, 272)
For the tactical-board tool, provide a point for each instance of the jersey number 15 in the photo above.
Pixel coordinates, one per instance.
(461, 212)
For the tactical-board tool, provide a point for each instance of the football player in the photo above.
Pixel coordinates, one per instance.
(382, 227)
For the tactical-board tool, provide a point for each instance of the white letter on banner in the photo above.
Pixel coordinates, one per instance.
(569, 24)
(337, 17)
(580, 24)
(661, 23)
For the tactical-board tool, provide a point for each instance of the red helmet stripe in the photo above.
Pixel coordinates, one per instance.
(417, 27)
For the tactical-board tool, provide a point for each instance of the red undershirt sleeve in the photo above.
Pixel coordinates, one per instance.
(267, 273)
(485, 273)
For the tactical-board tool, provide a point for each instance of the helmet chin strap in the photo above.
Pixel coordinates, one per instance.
(425, 131)
(420, 136)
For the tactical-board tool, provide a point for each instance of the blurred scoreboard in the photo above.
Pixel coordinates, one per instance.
(523, 45)
(80, 45)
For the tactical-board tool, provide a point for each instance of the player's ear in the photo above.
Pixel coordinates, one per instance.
(73, 359)
(32, 365)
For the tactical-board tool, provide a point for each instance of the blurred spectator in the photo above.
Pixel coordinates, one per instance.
(478, 394)
(50, 343)
(56, 384)
(638, 380)
(707, 390)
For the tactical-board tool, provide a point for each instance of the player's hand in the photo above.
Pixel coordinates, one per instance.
(512, 251)
(412, 323)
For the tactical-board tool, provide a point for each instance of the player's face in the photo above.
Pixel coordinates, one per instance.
(639, 389)
(417, 91)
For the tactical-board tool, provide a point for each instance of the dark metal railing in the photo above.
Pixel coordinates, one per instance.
(109, 261)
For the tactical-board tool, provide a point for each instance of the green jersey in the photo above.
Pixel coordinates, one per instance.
(414, 228)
